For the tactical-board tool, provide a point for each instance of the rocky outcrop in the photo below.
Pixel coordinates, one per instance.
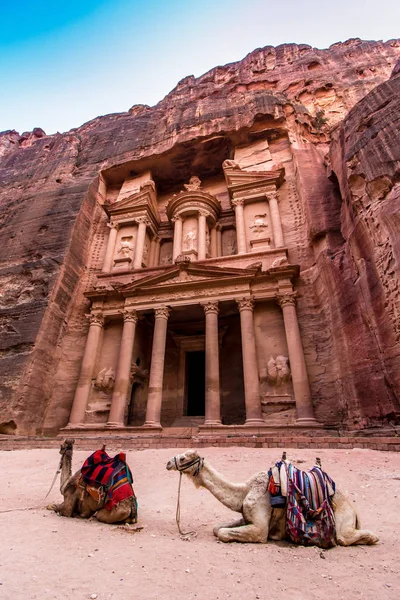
(51, 198)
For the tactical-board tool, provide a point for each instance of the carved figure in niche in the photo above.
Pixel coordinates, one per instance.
(146, 249)
(230, 245)
(258, 225)
(278, 370)
(105, 380)
(189, 241)
(125, 247)
(166, 259)
(208, 241)
(194, 184)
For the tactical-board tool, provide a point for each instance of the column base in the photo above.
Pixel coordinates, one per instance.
(152, 424)
(73, 426)
(113, 424)
(309, 421)
(254, 422)
(211, 423)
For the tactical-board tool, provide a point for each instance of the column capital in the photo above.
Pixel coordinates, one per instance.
(113, 225)
(96, 318)
(286, 299)
(272, 195)
(162, 312)
(203, 213)
(140, 220)
(245, 303)
(237, 202)
(130, 314)
(176, 218)
(211, 307)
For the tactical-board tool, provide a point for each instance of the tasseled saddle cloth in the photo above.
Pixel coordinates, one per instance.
(110, 475)
(307, 497)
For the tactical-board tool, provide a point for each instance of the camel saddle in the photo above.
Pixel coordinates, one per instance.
(306, 495)
(108, 477)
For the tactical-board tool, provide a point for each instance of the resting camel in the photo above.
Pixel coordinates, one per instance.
(259, 521)
(78, 502)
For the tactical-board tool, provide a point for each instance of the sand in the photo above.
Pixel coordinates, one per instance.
(44, 556)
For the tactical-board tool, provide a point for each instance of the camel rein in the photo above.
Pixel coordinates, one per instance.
(199, 462)
(41, 502)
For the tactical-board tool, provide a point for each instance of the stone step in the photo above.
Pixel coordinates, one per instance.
(139, 442)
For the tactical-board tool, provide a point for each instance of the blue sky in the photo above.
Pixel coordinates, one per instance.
(64, 63)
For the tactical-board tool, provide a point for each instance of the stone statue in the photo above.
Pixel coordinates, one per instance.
(105, 380)
(189, 241)
(278, 370)
(125, 247)
(194, 184)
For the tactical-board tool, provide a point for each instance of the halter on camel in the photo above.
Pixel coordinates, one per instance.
(184, 467)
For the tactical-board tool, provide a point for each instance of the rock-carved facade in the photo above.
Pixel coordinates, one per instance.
(172, 316)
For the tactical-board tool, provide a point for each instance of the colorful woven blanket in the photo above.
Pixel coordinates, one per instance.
(113, 474)
(309, 513)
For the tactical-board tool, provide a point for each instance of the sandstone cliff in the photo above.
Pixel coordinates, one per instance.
(346, 244)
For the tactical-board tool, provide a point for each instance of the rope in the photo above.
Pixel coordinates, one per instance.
(189, 534)
(41, 502)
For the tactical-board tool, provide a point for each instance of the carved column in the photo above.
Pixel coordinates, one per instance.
(83, 388)
(121, 387)
(238, 205)
(140, 239)
(202, 239)
(213, 408)
(177, 245)
(275, 219)
(250, 368)
(112, 238)
(219, 240)
(301, 388)
(154, 399)
(213, 242)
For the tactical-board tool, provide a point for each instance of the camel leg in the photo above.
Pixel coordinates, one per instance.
(236, 523)
(121, 513)
(65, 509)
(347, 533)
(257, 514)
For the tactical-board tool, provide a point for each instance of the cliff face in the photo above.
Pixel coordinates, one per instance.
(345, 238)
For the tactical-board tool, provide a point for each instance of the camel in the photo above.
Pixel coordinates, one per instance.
(78, 502)
(259, 521)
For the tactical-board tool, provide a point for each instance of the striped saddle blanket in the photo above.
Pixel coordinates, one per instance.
(307, 497)
(112, 474)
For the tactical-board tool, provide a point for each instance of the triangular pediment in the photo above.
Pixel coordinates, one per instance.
(191, 274)
(145, 198)
(236, 178)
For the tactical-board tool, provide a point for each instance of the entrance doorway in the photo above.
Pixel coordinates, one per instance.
(195, 383)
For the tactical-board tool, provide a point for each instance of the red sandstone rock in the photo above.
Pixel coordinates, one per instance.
(342, 230)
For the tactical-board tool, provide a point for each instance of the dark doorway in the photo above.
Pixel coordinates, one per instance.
(195, 383)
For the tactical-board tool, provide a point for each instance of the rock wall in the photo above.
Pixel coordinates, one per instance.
(346, 224)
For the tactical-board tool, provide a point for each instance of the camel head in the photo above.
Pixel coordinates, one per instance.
(189, 462)
(66, 447)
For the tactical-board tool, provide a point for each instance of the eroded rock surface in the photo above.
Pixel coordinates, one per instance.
(342, 229)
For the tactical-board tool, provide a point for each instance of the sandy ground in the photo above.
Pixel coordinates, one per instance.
(44, 556)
